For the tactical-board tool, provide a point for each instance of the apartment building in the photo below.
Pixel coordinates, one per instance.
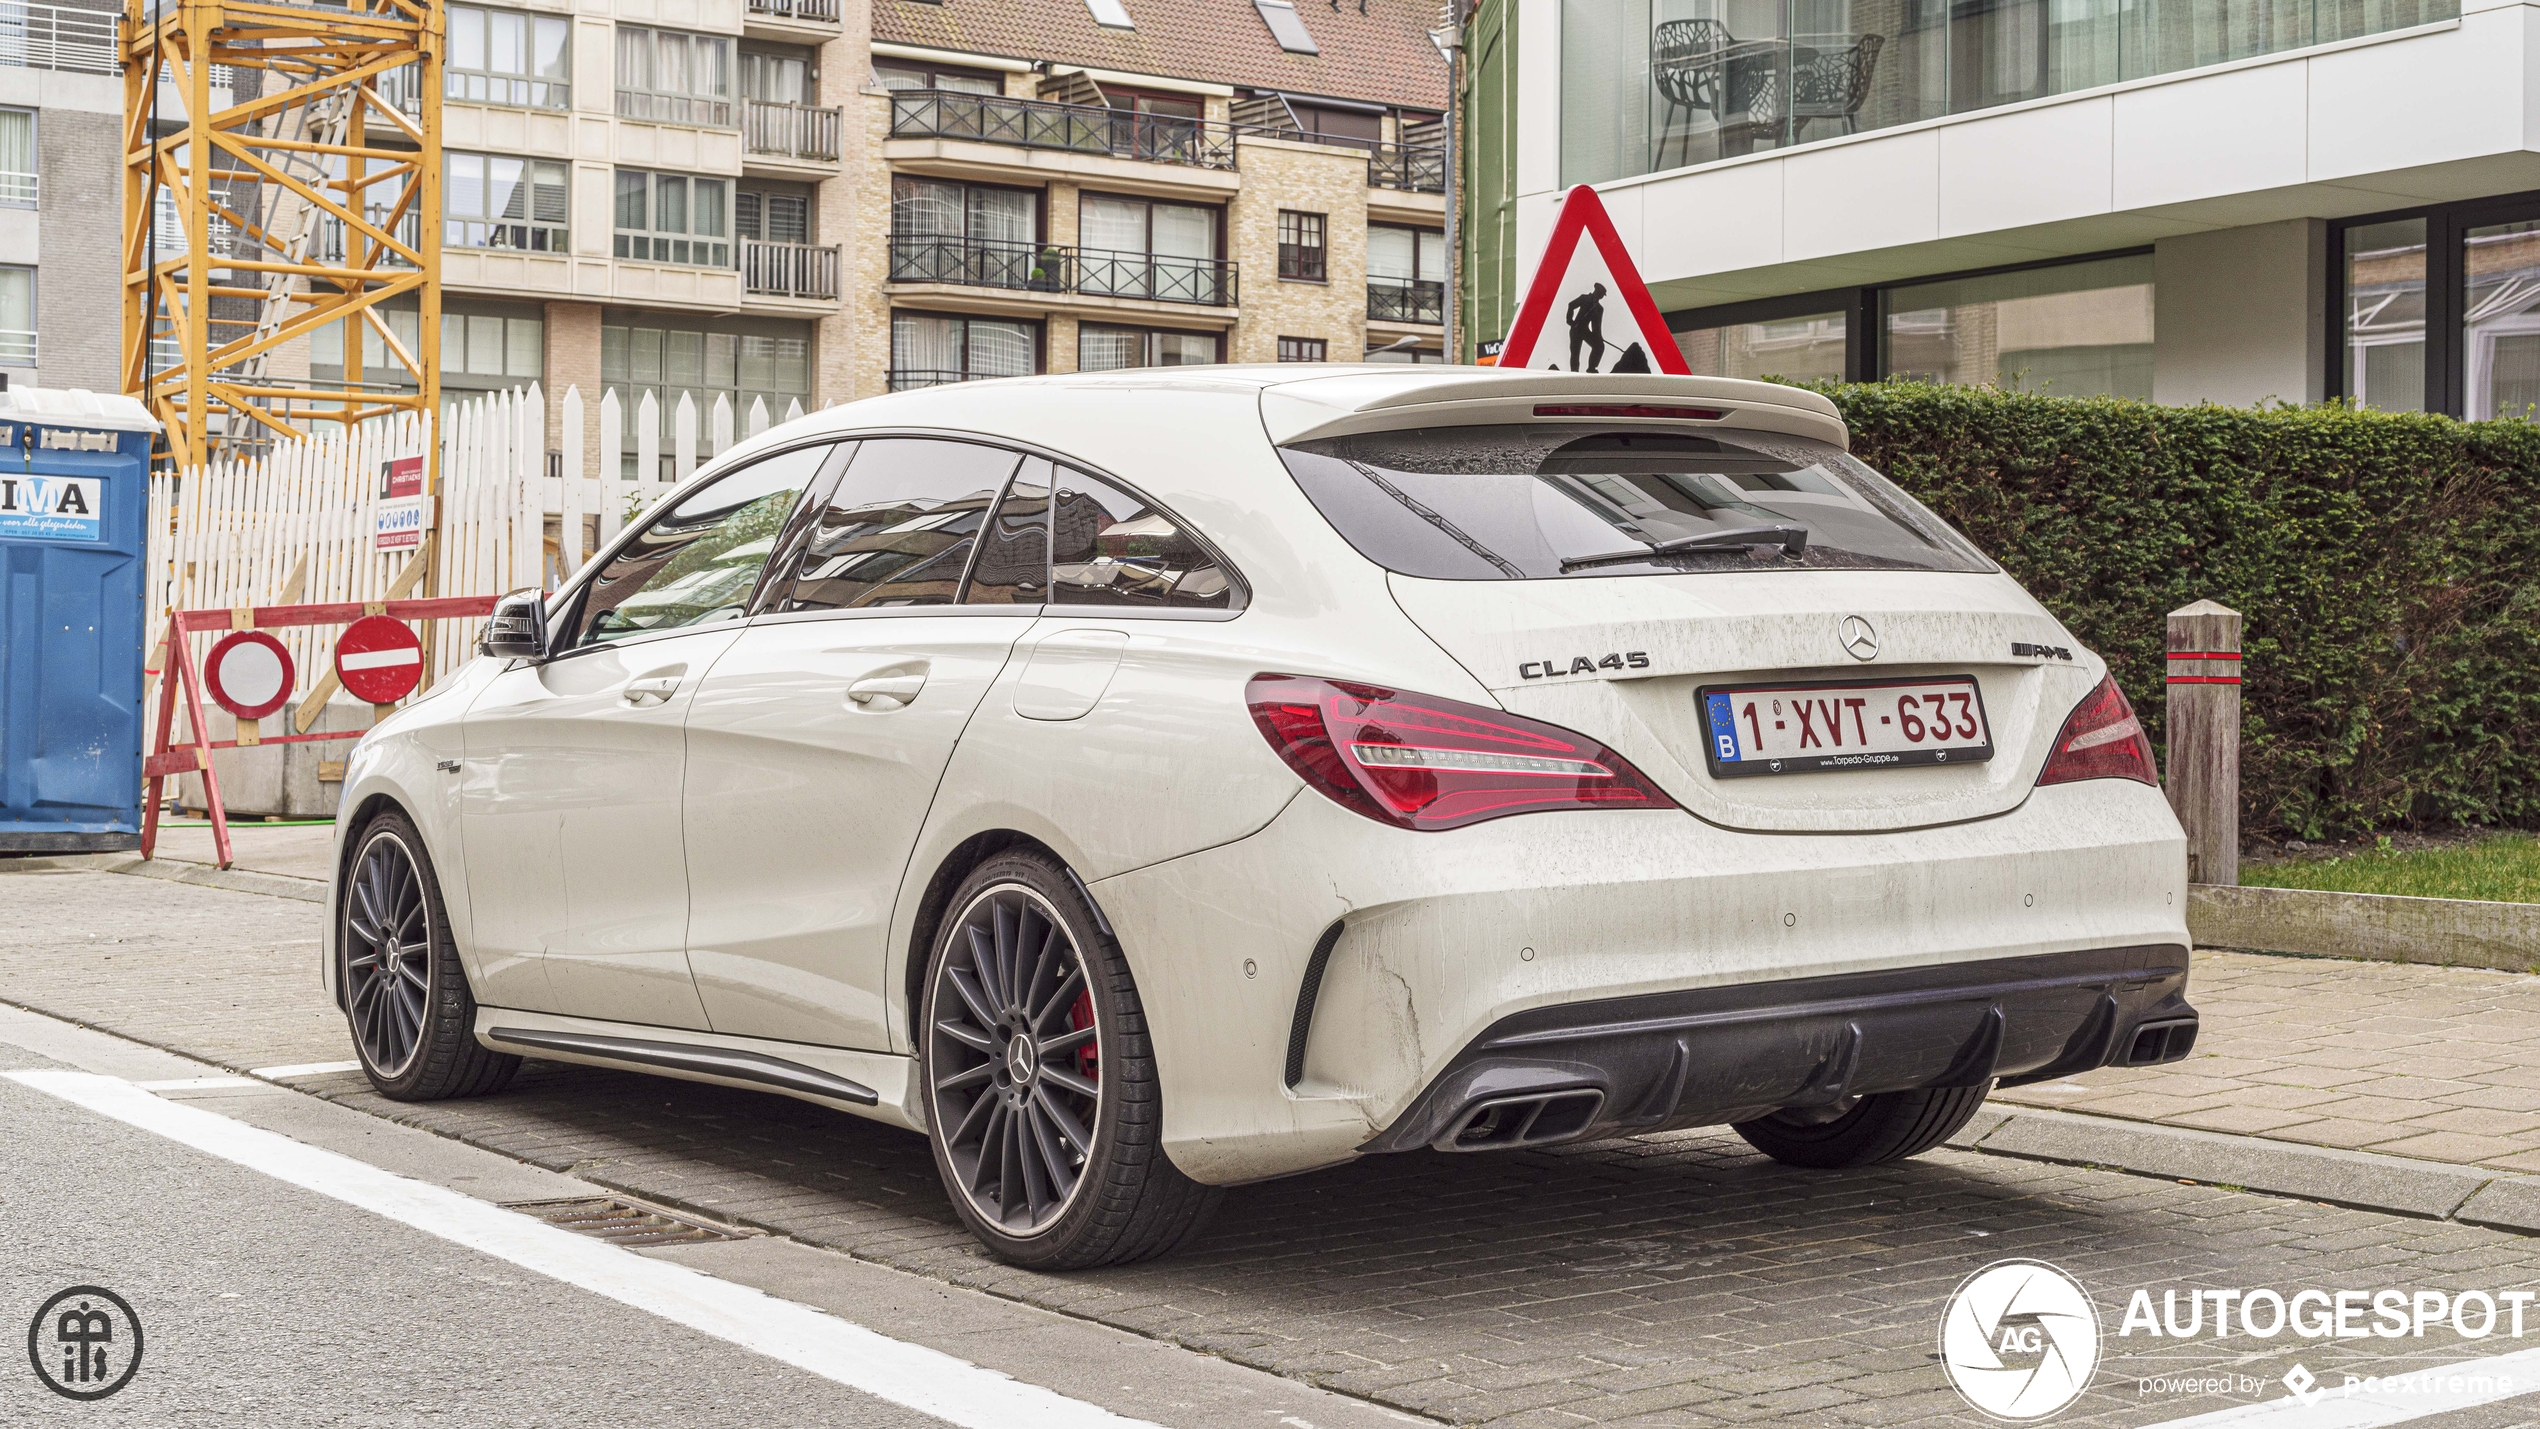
(2181, 200)
(802, 202)
(61, 108)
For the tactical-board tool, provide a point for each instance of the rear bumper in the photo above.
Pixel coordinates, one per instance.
(1703, 1056)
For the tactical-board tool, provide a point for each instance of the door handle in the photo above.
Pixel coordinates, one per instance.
(651, 691)
(898, 689)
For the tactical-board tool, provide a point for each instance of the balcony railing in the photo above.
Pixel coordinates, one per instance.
(1412, 168)
(791, 131)
(57, 37)
(1073, 128)
(17, 349)
(1406, 300)
(789, 270)
(818, 12)
(1052, 268)
(20, 190)
(702, 110)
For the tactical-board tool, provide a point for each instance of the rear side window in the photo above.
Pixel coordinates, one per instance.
(899, 527)
(1111, 548)
(1566, 499)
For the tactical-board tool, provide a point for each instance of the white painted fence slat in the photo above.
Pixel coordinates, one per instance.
(719, 424)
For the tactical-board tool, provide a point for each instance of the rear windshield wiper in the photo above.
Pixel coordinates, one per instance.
(1792, 539)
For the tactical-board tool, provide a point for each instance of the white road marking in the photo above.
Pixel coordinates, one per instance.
(2411, 1394)
(925, 1380)
(197, 1084)
(303, 1069)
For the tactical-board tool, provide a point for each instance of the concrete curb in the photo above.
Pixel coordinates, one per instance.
(2379, 927)
(236, 880)
(2399, 1185)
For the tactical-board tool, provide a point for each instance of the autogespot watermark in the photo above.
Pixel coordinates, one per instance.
(2021, 1340)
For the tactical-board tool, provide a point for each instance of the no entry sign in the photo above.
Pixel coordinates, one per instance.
(379, 659)
(249, 674)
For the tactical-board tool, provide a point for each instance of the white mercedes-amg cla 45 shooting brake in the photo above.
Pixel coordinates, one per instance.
(1147, 782)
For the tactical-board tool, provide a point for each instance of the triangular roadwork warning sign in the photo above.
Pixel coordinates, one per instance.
(1602, 317)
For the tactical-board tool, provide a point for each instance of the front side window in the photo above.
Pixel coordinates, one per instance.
(495, 201)
(1569, 499)
(674, 77)
(674, 218)
(697, 562)
(899, 526)
(504, 57)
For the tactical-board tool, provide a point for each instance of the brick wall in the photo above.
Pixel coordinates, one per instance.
(573, 360)
(78, 290)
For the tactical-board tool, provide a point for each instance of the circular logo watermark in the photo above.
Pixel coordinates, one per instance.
(2019, 1339)
(85, 1343)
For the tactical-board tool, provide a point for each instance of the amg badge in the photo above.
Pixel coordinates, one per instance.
(1584, 665)
(2021, 649)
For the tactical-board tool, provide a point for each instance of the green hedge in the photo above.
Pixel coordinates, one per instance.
(2389, 567)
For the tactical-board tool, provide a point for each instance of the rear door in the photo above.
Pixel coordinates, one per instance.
(1609, 578)
(815, 746)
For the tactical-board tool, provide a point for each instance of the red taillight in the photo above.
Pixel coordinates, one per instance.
(2101, 739)
(1423, 763)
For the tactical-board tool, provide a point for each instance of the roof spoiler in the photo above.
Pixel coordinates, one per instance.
(1379, 400)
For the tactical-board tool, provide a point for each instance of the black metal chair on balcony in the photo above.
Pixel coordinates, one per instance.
(1687, 59)
(1833, 84)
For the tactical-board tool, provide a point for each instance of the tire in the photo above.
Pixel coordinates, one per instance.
(414, 1028)
(1885, 1126)
(1052, 1154)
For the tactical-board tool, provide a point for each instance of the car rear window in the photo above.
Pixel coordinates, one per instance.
(1560, 499)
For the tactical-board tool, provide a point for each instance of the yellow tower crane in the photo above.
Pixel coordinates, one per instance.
(312, 197)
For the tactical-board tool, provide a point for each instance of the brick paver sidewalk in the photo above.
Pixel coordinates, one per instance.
(2437, 1063)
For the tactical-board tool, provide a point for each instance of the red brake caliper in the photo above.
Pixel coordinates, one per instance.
(1089, 1056)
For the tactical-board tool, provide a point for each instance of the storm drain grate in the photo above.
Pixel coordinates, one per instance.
(623, 1222)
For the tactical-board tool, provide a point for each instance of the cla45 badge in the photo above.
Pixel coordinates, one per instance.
(1584, 664)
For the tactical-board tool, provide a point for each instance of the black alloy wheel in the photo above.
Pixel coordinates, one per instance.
(404, 993)
(1040, 1085)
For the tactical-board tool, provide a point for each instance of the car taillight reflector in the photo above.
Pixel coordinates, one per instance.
(1627, 409)
(1418, 762)
(2101, 739)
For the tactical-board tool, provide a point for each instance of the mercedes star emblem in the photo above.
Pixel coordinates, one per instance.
(1859, 638)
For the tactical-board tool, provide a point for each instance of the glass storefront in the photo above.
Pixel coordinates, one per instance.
(1701, 80)
(2500, 321)
(2073, 330)
(1803, 349)
(2385, 316)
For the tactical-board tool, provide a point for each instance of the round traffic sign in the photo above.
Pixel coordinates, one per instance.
(379, 659)
(249, 674)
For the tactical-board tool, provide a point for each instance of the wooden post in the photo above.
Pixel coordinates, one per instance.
(2204, 729)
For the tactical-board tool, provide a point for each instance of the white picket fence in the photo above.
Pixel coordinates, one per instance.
(298, 525)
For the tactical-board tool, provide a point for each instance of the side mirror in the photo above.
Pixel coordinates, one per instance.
(517, 630)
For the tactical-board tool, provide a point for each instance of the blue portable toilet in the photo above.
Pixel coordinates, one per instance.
(74, 505)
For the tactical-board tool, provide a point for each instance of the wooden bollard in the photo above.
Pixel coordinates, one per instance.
(2204, 729)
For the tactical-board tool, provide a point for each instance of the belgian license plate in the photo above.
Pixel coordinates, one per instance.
(1879, 724)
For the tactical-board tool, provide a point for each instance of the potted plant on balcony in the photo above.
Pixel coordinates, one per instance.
(1045, 269)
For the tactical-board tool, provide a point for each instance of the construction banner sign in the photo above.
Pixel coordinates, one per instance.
(1587, 309)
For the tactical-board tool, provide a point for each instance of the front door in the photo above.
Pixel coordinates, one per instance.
(574, 763)
(815, 746)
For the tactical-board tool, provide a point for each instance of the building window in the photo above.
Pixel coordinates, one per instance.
(499, 57)
(674, 218)
(772, 217)
(1405, 355)
(2385, 315)
(1646, 87)
(2500, 337)
(909, 74)
(1108, 349)
(770, 365)
(17, 317)
(943, 231)
(1142, 248)
(775, 79)
(2069, 330)
(1406, 274)
(492, 201)
(1301, 246)
(481, 345)
(674, 77)
(380, 367)
(18, 183)
(928, 349)
(1807, 347)
(1301, 349)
